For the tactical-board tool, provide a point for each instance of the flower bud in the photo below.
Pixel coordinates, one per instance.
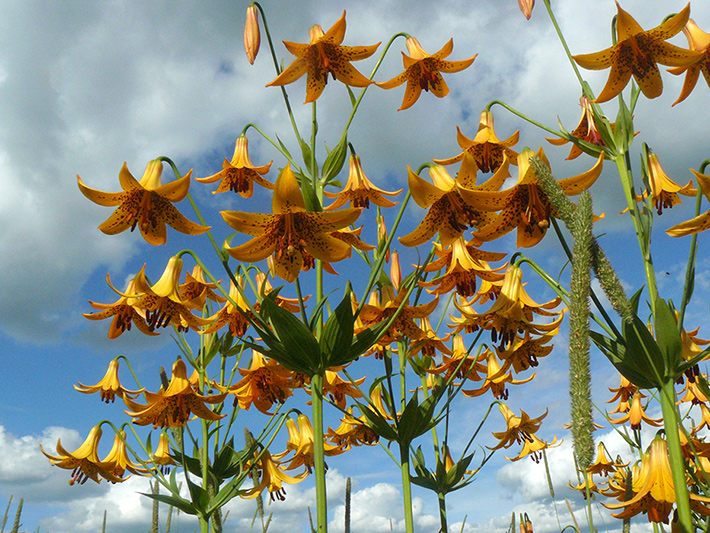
(252, 37)
(395, 271)
(526, 6)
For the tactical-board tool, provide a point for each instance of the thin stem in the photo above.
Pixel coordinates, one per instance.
(564, 45)
(319, 452)
(671, 424)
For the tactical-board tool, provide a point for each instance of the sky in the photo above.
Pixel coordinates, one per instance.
(87, 86)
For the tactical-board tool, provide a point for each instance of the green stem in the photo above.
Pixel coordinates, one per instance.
(406, 487)
(564, 45)
(319, 452)
(671, 424)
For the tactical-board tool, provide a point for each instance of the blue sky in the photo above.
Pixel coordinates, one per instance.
(85, 86)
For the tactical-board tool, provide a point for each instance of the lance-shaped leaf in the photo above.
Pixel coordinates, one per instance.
(616, 353)
(335, 160)
(668, 338)
(337, 336)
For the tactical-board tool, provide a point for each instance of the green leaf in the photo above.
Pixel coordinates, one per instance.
(668, 338)
(284, 150)
(335, 160)
(184, 505)
(353, 100)
(309, 195)
(200, 497)
(297, 346)
(616, 353)
(377, 423)
(337, 335)
(307, 154)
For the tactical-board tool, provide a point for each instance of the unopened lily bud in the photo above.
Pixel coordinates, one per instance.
(382, 234)
(252, 36)
(395, 271)
(526, 6)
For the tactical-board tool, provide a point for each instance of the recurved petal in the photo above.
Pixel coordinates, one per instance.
(595, 61)
(287, 194)
(626, 26)
(576, 184)
(455, 66)
(426, 229)
(336, 33)
(288, 266)
(254, 250)
(355, 53)
(334, 220)
(294, 71)
(394, 82)
(674, 56)
(249, 223)
(327, 248)
(672, 26)
(692, 74)
(178, 222)
(107, 199)
(175, 191)
(423, 192)
(690, 227)
(650, 83)
(411, 94)
(349, 75)
(619, 77)
(438, 87)
(118, 222)
(127, 180)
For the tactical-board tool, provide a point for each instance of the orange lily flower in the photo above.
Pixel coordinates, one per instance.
(293, 235)
(533, 447)
(162, 457)
(518, 428)
(524, 352)
(511, 313)
(109, 386)
(602, 464)
(458, 363)
(699, 223)
(172, 407)
(124, 312)
(449, 202)
(196, 290)
(378, 311)
(162, 302)
(430, 343)
(525, 205)
(464, 263)
(637, 414)
(84, 462)
(495, 380)
(359, 191)
(485, 152)
(337, 388)
(698, 41)
(586, 130)
(322, 56)
(146, 204)
(664, 191)
(117, 460)
(351, 432)
(423, 71)
(655, 495)
(300, 441)
(637, 52)
(272, 479)
(230, 315)
(239, 174)
(263, 384)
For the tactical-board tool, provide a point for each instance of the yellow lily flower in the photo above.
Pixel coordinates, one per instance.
(263, 384)
(511, 313)
(518, 428)
(449, 202)
(587, 485)
(586, 130)
(109, 386)
(699, 223)
(162, 457)
(293, 235)
(664, 191)
(359, 191)
(239, 174)
(423, 71)
(230, 315)
(485, 152)
(636, 414)
(172, 407)
(459, 363)
(196, 290)
(464, 263)
(637, 52)
(656, 495)
(124, 312)
(322, 56)
(377, 311)
(146, 204)
(533, 447)
(300, 442)
(525, 205)
(602, 464)
(351, 432)
(698, 41)
(430, 343)
(272, 479)
(117, 460)
(337, 388)
(84, 462)
(162, 302)
(495, 380)
(524, 352)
